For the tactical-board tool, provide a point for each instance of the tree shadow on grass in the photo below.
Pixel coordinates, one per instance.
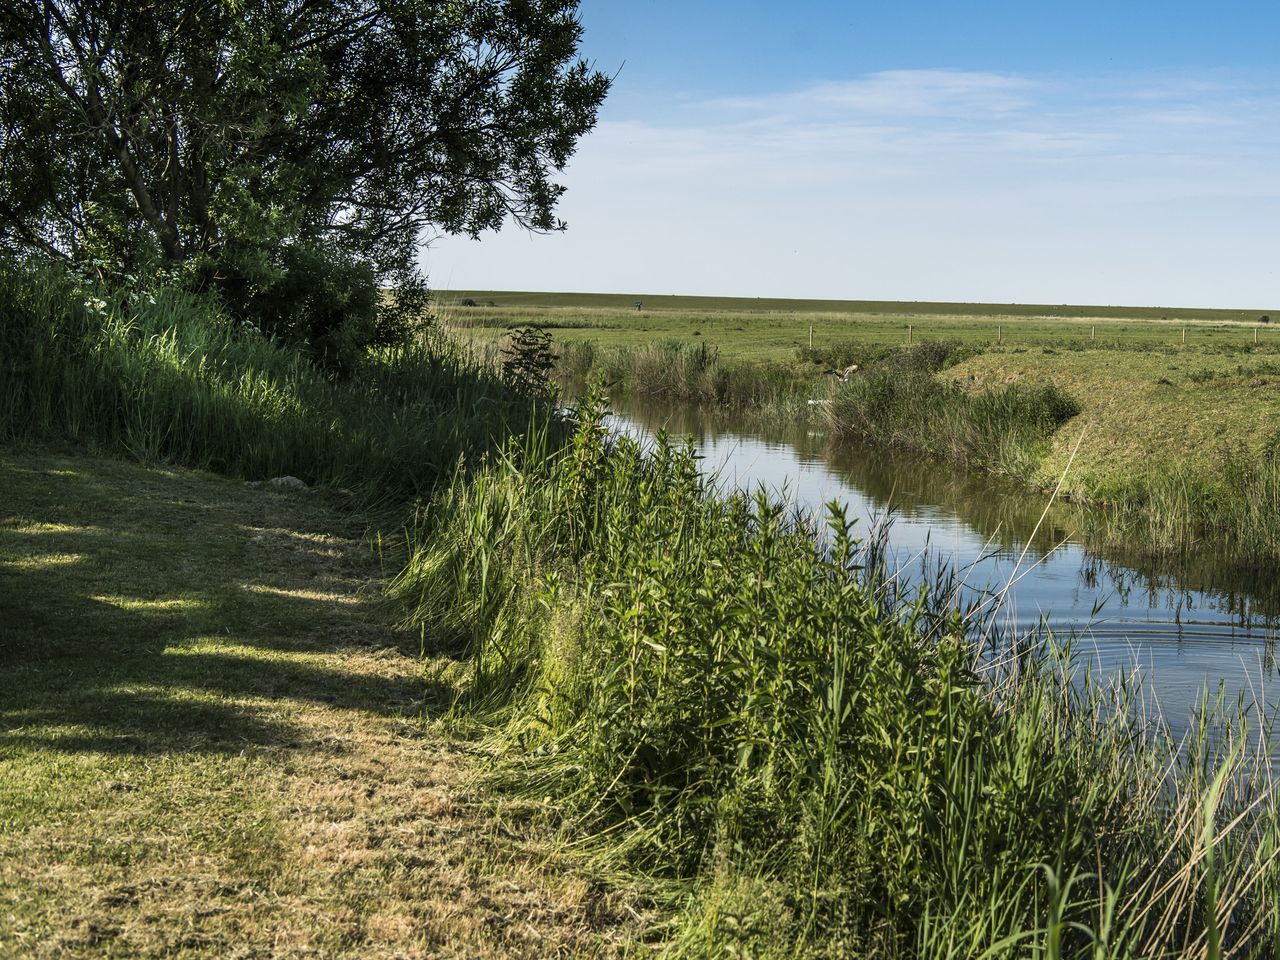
(140, 613)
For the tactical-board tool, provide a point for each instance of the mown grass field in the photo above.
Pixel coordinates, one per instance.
(1156, 410)
(773, 330)
(211, 743)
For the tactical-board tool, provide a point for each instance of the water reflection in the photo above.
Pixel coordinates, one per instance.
(1201, 621)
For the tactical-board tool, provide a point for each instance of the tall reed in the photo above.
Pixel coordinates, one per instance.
(1231, 510)
(1000, 430)
(898, 402)
(164, 375)
(831, 764)
(673, 370)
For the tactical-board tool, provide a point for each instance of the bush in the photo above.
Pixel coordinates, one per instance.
(326, 302)
(528, 361)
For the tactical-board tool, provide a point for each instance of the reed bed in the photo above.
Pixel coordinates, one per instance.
(164, 375)
(899, 402)
(1233, 512)
(672, 370)
(823, 762)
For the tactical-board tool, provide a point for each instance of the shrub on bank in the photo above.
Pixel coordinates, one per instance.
(740, 706)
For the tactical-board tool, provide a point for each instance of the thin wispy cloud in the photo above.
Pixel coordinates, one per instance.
(925, 184)
(900, 93)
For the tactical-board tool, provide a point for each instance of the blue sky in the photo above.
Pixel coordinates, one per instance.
(1068, 152)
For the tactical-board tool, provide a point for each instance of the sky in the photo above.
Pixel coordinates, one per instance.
(1125, 152)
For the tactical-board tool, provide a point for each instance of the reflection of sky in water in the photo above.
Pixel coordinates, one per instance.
(1178, 638)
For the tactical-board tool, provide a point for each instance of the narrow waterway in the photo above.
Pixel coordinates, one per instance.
(1179, 629)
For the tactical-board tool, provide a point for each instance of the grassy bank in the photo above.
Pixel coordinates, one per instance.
(755, 724)
(825, 765)
(1181, 447)
(899, 401)
(166, 376)
(213, 742)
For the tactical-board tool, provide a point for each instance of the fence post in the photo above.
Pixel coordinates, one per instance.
(908, 334)
(811, 336)
(999, 334)
(1184, 336)
(1093, 333)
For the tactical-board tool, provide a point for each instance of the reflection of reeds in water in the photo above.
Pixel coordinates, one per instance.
(814, 750)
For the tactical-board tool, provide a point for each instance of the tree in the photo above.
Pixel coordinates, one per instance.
(240, 141)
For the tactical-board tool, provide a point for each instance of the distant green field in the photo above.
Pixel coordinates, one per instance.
(1162, 391)
(897, 308)
(762, 329)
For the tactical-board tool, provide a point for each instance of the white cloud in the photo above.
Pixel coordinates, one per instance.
(901, 93)
(921, 185)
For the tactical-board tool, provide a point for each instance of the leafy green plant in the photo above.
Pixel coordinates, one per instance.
(732, 699)
(528, 360)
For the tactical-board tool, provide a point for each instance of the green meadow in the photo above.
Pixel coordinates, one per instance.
(768, 329)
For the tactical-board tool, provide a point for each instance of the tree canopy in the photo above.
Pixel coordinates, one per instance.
(237, 140)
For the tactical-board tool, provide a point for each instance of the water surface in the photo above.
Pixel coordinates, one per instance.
(1178, 628)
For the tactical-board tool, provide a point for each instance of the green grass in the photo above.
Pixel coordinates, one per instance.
(167, 377)
(1181, 447)
(755, 305)
(671, 371)
(156, 671)
(826, 764)
(774, 330)
(211, 745)
(210, 738)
